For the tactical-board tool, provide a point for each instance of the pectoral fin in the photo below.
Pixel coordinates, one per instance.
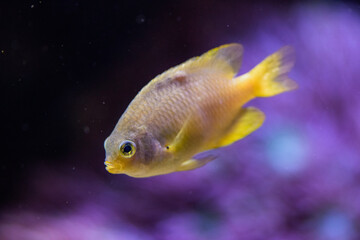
(195, 163)
(193, 133)
(248, 120)
(188, 136)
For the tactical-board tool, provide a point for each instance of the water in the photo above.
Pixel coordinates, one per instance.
(297, 177)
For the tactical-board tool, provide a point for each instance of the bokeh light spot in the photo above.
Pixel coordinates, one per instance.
(336, 225)
(287, 151)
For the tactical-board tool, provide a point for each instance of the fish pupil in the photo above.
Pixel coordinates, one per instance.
(127, 148)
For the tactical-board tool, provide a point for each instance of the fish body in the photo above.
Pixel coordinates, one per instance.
(191, 108)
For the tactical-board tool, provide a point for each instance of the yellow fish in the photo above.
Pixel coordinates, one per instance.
(191, 108)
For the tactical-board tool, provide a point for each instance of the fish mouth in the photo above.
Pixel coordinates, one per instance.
(111, 168)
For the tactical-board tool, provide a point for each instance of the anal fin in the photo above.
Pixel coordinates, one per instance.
(249, 119)
(195, 163)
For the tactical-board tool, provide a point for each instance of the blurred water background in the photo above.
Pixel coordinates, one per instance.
(69, 68)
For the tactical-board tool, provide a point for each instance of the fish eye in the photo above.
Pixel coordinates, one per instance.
(127, 148)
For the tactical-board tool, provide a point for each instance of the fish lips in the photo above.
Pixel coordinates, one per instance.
(113, 168)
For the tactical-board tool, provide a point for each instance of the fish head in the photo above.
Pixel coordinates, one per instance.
(132, 153)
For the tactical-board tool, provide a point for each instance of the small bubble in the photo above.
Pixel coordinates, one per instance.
(2, 51)
(227, 25)
(86, 129)
(103, 102)
(140, 19)
(25, 127)
(15, 44)
(73, 168)
(32, 6)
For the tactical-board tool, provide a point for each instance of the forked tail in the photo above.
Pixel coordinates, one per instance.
(270, 76)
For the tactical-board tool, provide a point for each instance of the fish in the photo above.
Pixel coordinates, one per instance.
(192, 108)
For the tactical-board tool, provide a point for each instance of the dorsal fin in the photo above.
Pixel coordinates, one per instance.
(224, 60)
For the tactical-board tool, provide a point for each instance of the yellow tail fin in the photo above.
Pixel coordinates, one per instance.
(270, 76)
